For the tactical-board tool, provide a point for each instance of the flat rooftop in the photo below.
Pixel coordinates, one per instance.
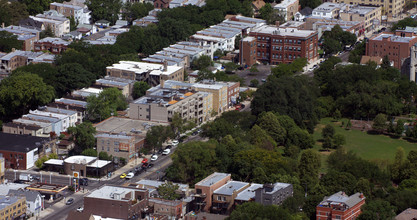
(118, 136)
(230, 187)
(72, 102)
(126, 126)
(6, 201)
(284, 4)
(328, 7)
(156, 184)
(111, 192)
(278, 186)
(248, 193)
(269, 29)
(212, 179)
(142, 67)
(393, 38)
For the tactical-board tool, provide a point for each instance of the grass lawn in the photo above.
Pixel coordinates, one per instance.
(371, 147)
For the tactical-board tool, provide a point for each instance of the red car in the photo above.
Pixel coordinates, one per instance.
(145, 160)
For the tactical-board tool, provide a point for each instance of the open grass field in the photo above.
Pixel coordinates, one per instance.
(367, 146)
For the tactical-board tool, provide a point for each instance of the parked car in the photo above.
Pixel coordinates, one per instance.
(154, 157)
(194, 133)
(80, 209)
(166, 152)
(123, 176)
(146, 166)
(145, 160)
(263, 80)
(138, 170)
(168, 147)
(84, 181)
(70, 201)
(175, 142)
(130, 175)
(160, 151)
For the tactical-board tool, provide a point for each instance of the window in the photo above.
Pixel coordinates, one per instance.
(338, 217)
(219, 198)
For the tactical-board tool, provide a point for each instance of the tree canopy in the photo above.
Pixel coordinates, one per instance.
(106, 104)
(8, 41)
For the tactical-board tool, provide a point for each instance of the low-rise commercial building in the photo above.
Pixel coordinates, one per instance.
(120, 146)
(287, 8)
(12, 207)
(224, 197)
(279, 45)
(340, 206)
(162, 104)
(128, 126)
(52, 44)
(113, 202)
(21, 151)
(83, 165)
(394, 45)
(151, 73)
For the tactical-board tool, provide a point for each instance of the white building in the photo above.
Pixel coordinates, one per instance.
(329, 10)
(59, 24)
(81, 14)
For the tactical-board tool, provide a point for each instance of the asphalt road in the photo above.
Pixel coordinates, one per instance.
(156, 172)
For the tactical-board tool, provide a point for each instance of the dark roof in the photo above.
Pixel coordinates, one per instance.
(29, 22)
(102, 21)
(20, 143)
(306, 11)
(27, 127)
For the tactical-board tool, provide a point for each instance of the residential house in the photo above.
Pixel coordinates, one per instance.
(81, 14)
(303, 14)
(170, 208)
(33, 200)
(161, 3)
(51, 44)
(224, 197)
(287, 8)
(257, 5)
(28, 36)
(59, 24)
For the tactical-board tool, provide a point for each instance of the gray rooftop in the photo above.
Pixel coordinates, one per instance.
(6, 187)
(28, 54)
(6, 201)
(357, 9)
(231, 187)
(118, 136)
(293, 32)
(248, 193)
(329, 6)
(111, 192)
(341, 198)
(72, 102)
(393, 38)
(156, 184)
(31, 196)
(213, 178)
(53, 40)
(41, 118)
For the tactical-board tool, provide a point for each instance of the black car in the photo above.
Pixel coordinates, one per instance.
(70, 201)
(83, 182)
(160, 151)
(146, 166)
(138, 170)
(194, 133)
(168, 147)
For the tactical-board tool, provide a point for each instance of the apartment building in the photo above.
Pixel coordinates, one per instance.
(205, 190)
(354, 27)
(413, 62)
(151, 18)
(81, 14)
(71, 104)
(394, 45)
(279, 45)
(52, 44)
(113, 202)
(151, 73)
(28, 36)
(391, 8)
(370, 16)
(170, 208)
(273, 194)
(224, 197)
(340, 206)
(83, 94)
(18, 58)
(119, 145)
(161, 104)
(180, 3)
(287, 8)
(124, 85)
(12, 207)
(218, 89)
(247, 195)
(59, 24)
(33, 200)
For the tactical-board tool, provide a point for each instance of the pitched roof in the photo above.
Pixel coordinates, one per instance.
(408, 214)
(258, 4)
(30, 195)
(29, 22)
(306, 11)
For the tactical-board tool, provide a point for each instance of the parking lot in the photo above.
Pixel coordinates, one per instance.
(264, 72)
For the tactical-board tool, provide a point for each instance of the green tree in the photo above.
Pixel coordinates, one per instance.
(331, 46)
(299, 137)
(89, 152)
(8, 41)
(104, 9)
(156, 136)
(308, 168)
(335, 181)
(260, 138)
(268, 121)
(338, 140)
(40, 161)
(83, 135)
(12, 12)
(328, 131)
(379, 123)
(327, 143)
(337, 115)
(106, 104)
(310, 3)
(364, 186)
(104, 156)
(136, 10)
(48, 32)
(377, 209)
(253, 210)
(23, 91)
(202, 62)
(399, 128)
(35, 7)
(70, 77)
(398, 165)
(386, 63)
(139, 89)
(168, 191)
(254, 83)
(73, 24)
(404, 23)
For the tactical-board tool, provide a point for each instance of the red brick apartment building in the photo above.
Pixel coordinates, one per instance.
(396, 45)
(340, 206)
(278, 45)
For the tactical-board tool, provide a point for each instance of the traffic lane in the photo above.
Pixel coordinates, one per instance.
(62, 212)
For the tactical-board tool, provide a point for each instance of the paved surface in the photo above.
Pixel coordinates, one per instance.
(264, 72)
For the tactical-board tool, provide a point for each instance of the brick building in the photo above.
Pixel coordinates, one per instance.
(122, 146)
(287, 8)
(395, 45)
(113, 202)
(172, 209)
(161, 3)
(340, 206)
(224, 197)
(280, 45)
(206, 187)
(28, 36)
(53, 45)
(392, 8)
(12, 207)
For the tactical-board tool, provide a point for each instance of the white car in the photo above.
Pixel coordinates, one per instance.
(130, 175)
(80, 209)
(166, 152)
(175, 142)
(154, 157)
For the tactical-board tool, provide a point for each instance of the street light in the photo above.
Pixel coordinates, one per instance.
(50, 177)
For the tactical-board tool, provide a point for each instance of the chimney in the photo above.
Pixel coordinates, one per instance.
(361, 196)
(13, 49)
(2, 25)
(277, 23)
(165, 65)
